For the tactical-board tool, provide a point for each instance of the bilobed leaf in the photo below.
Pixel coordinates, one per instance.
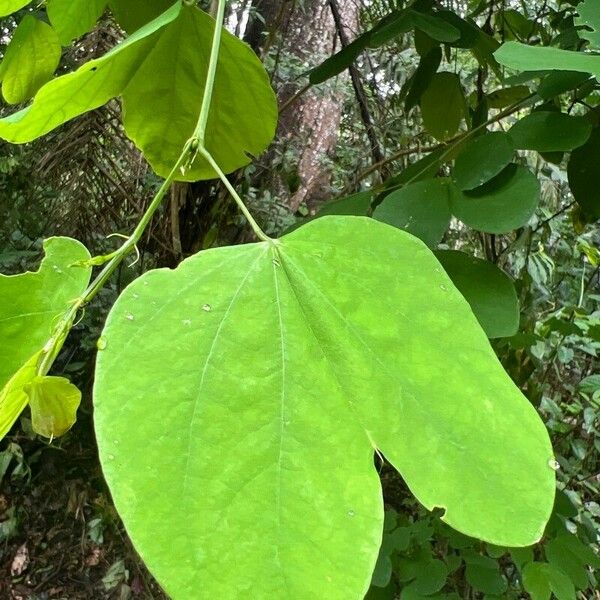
(584, 175)
(166, 60)
(543, 58)
(541, 580)
(419, 208)
(261, 477)
(549, 131)
(30, 60)
(31, 302)
(54, 402)
(589, 16)
(503, 204)
(488, 290)
(443, 105)
(72, 18)
(567, 553)
(133, 14)
(8, 7)
(559, 82)
(482, 159)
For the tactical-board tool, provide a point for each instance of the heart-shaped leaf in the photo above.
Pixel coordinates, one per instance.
(259, 472)
(175, 46)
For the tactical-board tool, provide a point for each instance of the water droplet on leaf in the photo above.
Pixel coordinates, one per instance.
(101, 343)
(443, 287)
(187, 322)
(129, 317)
(351, 513)
(207, 308)
(553, 464)
(111, 457)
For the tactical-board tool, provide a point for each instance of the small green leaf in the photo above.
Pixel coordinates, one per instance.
(442, 119)
(30, 60)
(488, 290)
(521, 556)
(420, 81)
(340, 61)
(584, 175)
(403, 366)
(54, 402)
(505, 203)
(8, 7)
(542, 58)
(559, 82)
(72, 18)
(567, 553)
(419, 208)
(549, 131)
(482, 159)
(541, 580)
(504, 97)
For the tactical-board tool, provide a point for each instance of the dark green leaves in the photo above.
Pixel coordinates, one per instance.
(584, 175)
(133, 14)
(30, 60)
(419, 208)
(549, 131)
(505, 203)
(483, 158)
(487, 289)
(541, 580)
(238, 444)
(175, 46)
(442, 117)
(589, 17)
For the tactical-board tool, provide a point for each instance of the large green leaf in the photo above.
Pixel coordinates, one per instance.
(442, 118)
(30, 60)
(538, 58)
(483, 158)
(584, 176)
(550, 131)
(30, 303)
(504, 203)
(8, 7)
(251, 448)
(166, 61)
(73, 18)
(488, 290)
(420, 208)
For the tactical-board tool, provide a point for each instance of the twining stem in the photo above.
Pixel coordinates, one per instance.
(194, 146)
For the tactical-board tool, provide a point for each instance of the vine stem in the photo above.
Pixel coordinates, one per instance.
(194, 146)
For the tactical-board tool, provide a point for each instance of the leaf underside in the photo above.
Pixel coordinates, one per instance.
(246, 434)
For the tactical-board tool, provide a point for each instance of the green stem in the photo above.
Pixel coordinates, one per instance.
(209, 84)
(255, 227)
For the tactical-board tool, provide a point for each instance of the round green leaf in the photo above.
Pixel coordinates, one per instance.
(488, 290)
(549, 131)
(483, 158)
(483, 573)
(505, 203)
(30, 60)
(584, 176)
(8, 7)
(419, 208)
(261, 478)
(54, 402)
(443, 105)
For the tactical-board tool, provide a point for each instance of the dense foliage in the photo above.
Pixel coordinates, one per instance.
(432, 328)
